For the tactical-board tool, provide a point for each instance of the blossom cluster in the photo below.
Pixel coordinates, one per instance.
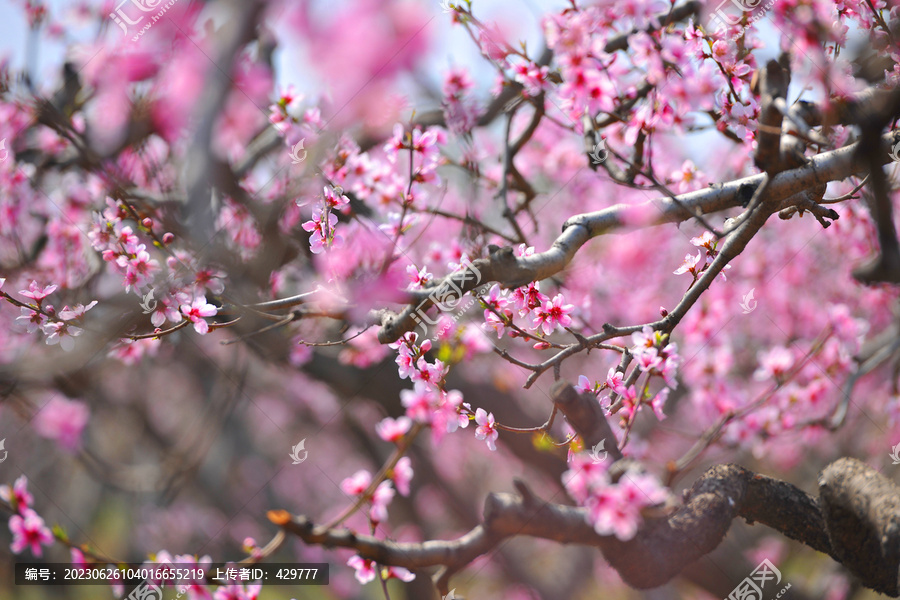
(612, 508)
(27, 527)
(184, 284)
(58, 327)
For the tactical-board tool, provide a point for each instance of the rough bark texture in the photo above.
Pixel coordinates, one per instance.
(855, 520)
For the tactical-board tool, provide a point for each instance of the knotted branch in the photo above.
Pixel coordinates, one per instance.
(855, 520)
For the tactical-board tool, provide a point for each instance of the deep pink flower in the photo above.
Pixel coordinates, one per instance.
(553, 314)
(365, 569)
(528, 298)
(431, 375)
(323, 234)
(29, 531)
(398, 573)
(18, 495)
(615, 380)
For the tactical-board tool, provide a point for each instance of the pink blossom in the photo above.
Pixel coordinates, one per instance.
(420, 277)
(585, 475)
(648, 359)
(365, 569)
(774, 363)
(705, 240)
(553, 314)
(196, 313)
(690, 265)
(139, 268)
(407, 354)
(498, 323)
(495, 299)
(323, 234)
(18, 496)
(487, 428)
(393, 430)
(59, 332)
(400, 573)
(669, 368)
(62, 420)
(533, 78)
(584, 385)
(429, 374)
(419, 402)
(642, 489)
(34, 320)
(231, 591)
(609, 513)
(68, 314)
(37, 293)
(29, 531)
(629, 397)
(645, 338)
(450, 412)
(357, 483)
(335, 198)
(402, 475)
(381, 498)
(457, 82)
(658, 402)
(687, 177)
(615, 380)
(528, 298)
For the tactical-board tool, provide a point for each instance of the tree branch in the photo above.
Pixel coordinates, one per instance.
(511, 271)
(855, 518)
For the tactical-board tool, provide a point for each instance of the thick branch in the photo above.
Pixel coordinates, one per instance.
(858, 526)
(511, 271)
(585, 415)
